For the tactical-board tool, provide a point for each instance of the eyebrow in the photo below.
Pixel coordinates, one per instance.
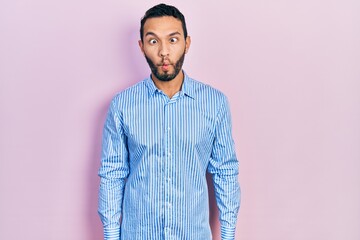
(153, 34)
(174, 33)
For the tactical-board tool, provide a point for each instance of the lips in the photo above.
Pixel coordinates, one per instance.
(165, 67)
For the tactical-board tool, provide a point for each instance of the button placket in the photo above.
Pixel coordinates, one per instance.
(168, 129)
(167, 157)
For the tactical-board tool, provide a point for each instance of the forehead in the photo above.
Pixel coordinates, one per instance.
(163, 25)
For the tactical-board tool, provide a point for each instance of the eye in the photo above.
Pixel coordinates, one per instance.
(173, 40)
(152, 41)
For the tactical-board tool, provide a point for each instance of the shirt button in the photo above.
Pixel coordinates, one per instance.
(168, 179)
(168, 128)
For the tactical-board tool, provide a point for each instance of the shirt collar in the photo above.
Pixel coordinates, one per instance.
(187, 87)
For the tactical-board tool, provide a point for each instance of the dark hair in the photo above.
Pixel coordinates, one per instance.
(162, 10)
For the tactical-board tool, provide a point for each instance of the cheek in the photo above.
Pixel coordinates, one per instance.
(179, 49)
(178, 53)
(151, 52)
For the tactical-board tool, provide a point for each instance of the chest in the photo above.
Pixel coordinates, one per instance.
(187, 122)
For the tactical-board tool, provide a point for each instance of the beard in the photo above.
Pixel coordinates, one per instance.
(166, 76)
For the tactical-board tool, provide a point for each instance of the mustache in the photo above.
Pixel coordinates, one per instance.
(164, 61)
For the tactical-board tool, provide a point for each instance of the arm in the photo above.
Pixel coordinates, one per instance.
(223, 167)
(113, 171)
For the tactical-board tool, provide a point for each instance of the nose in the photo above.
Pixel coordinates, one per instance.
(164, 50)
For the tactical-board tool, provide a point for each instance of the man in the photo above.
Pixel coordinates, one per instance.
(160, 137)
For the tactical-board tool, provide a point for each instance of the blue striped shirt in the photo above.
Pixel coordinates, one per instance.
(155, 155)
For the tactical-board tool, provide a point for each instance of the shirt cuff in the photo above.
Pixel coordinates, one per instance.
(227, 233)
(111, 233)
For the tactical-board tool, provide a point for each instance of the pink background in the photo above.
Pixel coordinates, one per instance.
(291, 71)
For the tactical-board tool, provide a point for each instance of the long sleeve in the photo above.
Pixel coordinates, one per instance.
(113, 172)
(223, 167)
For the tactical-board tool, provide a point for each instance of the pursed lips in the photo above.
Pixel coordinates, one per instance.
(165, 65)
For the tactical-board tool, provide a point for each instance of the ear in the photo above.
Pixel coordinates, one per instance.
(187, 43)
(141, 45)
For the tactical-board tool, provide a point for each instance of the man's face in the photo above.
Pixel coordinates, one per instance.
(164, 46)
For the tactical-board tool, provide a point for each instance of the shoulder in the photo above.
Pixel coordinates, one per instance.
(129, 95)
(206, 92)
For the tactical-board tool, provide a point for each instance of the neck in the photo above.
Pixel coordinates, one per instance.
(170, 88)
